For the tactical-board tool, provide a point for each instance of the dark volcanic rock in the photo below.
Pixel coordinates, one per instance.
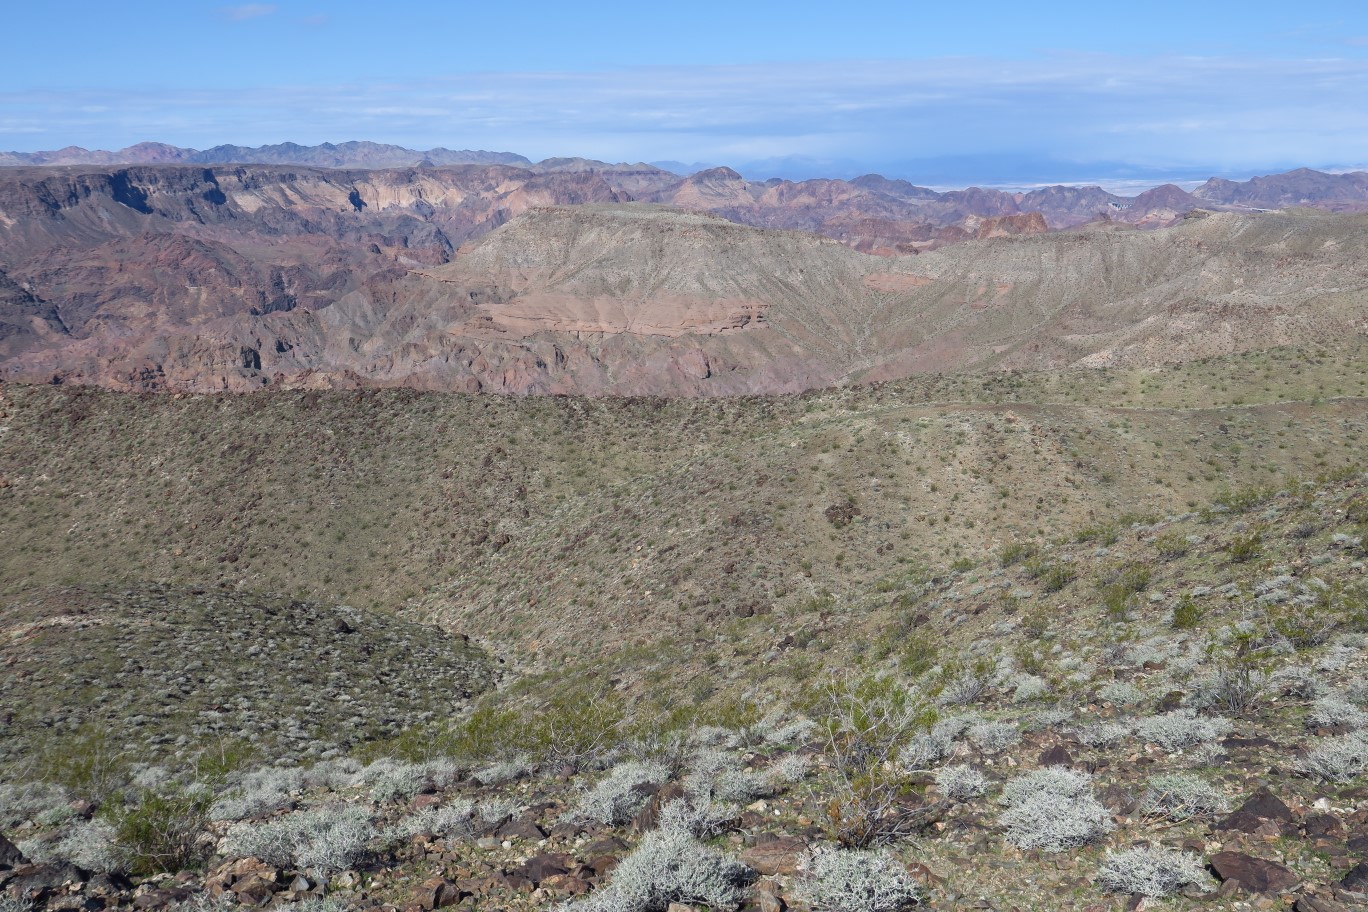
(10, 856)
(1258, 875)
(1356, 881)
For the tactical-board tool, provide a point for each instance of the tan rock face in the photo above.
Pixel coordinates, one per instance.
(186, 278)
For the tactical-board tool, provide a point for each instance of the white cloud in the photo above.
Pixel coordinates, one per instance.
(1173, 111)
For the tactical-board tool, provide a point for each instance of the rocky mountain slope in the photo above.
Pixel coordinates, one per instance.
(199, 285)
(1156, 709)
(575, 527)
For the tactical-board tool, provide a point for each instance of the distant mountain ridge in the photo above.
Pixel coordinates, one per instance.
(355, 154)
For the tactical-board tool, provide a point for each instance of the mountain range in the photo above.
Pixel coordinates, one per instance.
(577, 277)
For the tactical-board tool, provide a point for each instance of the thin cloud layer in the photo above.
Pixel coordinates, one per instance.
(247, 11)
(1179, 112)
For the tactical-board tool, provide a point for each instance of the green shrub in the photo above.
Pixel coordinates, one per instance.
(1171, 545)
(1016, 552)
(1105, 535)
(162, 832)
(1054, 577)
(1245, 548)
(918, 656)
(1186, 614)
(864, 724)
(577, 725)
(87, 763)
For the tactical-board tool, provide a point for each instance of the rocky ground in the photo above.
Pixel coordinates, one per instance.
(161, 672)
(1157, 710)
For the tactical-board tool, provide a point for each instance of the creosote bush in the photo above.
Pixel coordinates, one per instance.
(162, 832)
(865, 723)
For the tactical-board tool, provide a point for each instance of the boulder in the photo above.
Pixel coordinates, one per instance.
(540, 867)
(777, 855)
(1356, 881)
(43, 880)
(1265, 804)
(1258, 875)
(1308, 903)
(522, 828)
(438, 893)
(1322, 825)
(1241, 821)
(10, 856)
(1056, 756)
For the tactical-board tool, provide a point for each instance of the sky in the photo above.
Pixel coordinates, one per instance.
(991, 91)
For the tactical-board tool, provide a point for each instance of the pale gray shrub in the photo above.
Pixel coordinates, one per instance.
(321, 904)
(203, 902)
(1356, 691)
(718, 774)
(456, 818)
(55, 816)
(994, 737)
(1208, 753)
(1046, 718)
(708, 735)
(1232, 688)
(334, 774)
(966, 688)
(1336, 657)
(620, 794)
(326, 839)
(1338, 759)
(1052, 809)
(1180, 796)
(10, 903)
(961, 782)
(36, 850)
(394, 781)
(91, 844)
(151, 777)
(1334, 710)
(1102, 734)
(502, 771)
(670, 866)
(788, 770)
(1181, 729)
(257, 793)
(1029, 688)
(668, 747)
(442, 772)
(1150, 871)
(496, 810)
(926, 748)
(701, 818)
(39, 801)
(1296, 681)
(1121, 693)
(852, 880)
(792, 732)
(734, 785)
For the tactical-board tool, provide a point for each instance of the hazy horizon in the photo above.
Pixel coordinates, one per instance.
(994, 93)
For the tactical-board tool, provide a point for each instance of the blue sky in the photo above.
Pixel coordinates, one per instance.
(993, 90)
